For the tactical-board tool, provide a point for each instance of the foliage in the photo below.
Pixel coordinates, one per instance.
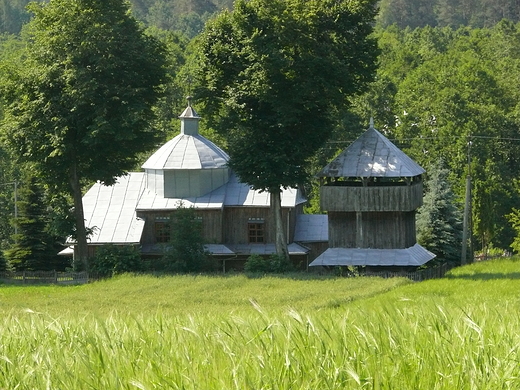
(273, 75)
(79, 108)
(439, 220)
(185, 251)
(34, 247)
(111, 260)
(273, 264)
(4, 266)
(13, 15)
(272, 79)
(514, 219)
(451, 13)
(173, 99)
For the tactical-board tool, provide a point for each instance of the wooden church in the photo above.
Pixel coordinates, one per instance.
(371, 193)
(191, 171)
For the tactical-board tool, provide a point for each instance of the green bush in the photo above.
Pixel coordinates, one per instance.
(274, 264)
(116, 259)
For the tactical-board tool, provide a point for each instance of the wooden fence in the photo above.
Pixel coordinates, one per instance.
(44, 277)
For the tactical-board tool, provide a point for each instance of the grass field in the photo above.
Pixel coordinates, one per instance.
(234, 332)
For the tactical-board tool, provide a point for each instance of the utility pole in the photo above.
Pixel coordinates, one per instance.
(466, 224)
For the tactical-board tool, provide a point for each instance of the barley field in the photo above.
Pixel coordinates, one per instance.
(293, 332)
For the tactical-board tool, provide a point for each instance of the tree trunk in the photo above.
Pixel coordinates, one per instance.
(276, 208)
(81, 249)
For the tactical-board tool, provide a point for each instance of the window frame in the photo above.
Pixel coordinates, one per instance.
(256, 231)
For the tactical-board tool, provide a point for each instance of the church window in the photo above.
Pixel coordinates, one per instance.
(162, 229)
(256, 230)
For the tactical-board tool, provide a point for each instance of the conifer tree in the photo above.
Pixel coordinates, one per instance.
(33, 247)
(439, 226)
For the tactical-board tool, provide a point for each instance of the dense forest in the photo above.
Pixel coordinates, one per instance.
(189, 16)
(446, 89)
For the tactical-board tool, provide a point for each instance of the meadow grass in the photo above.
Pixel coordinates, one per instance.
(201, 332)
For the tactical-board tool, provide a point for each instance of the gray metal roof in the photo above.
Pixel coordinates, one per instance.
(266, 249)
(372, 155)
(187, 152)
(312, 228)
(110, 210)
(189, 113)
(233, 193)
(413, 256)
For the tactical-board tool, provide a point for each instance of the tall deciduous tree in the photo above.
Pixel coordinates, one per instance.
(79, 108)
(272, 74)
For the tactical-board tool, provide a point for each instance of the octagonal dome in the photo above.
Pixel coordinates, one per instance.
(188, 165)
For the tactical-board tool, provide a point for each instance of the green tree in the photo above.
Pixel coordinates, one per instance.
(80, 107)
(13, 15)
(34, 247)
(185, 251)
(272, 75)
(4, 265)
(439, 220)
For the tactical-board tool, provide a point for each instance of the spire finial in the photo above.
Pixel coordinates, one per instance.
(371, 122)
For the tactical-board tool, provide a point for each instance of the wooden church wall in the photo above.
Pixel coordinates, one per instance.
(235, 224)
(376, 198)
(382, 230)
(211, 225)
(228, 226)
(236, 219)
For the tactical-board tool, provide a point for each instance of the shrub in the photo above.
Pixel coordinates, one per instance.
(116, 259)
(273, 264)
(185, 251)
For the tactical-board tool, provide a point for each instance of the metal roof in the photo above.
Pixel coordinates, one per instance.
(266, 249)
(110, 210)
(189, 113)
(312, 228)
(413, 256)
(233, 193)
(187, 152)
(372, 155)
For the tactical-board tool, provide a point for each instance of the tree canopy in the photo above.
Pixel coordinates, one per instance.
(79, 107)
(272, 74)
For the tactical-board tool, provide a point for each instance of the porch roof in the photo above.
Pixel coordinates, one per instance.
(412, 256)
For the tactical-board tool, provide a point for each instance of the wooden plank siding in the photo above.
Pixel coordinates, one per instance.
(236, 219)
(228, 226)
(378, 230)
(211, 225)
(371, 198)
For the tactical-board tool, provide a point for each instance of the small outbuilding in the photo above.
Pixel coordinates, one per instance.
(371, 193)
